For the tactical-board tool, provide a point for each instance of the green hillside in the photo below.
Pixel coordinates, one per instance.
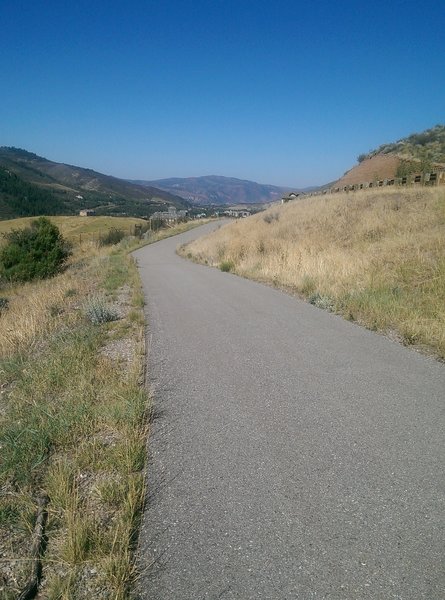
(427, 146)
(19, 198)
(33, 185)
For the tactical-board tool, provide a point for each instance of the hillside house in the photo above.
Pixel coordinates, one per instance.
(87, 212)
(291, 196)
(238, 214)
(169, 216)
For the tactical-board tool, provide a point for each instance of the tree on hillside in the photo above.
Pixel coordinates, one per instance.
(36, 252)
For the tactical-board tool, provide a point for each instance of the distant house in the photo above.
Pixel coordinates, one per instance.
(238, 214)
(170, 216)
(291, 196)
(87, 212)
(79, 197)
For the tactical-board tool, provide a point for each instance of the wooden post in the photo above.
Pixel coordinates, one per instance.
(32, 584)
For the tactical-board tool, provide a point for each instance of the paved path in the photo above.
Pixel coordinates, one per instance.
(294, 455)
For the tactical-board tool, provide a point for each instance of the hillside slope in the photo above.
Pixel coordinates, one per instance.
(76, 187)
(19, 198)
(418, 153)
(428, 145)
(374, 168)
(377, 257)
(219, 190)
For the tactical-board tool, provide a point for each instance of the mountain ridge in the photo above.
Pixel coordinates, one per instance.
(218, 190)
(78, 187)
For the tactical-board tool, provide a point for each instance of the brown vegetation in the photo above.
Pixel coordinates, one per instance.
(380, 166)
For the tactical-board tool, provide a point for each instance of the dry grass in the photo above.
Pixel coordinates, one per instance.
(79, 228)
(87, 229)
(73, 423)
(38, 308)
(166, 232)
(377, 257)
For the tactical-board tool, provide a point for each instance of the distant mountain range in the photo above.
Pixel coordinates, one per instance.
(32, 185)
(217, 190)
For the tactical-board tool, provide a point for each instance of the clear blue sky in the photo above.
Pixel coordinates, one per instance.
(283, 92)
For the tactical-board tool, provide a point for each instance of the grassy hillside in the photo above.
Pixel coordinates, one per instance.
(75, 188)
(417, 153)
(429, 145)
(375, 257)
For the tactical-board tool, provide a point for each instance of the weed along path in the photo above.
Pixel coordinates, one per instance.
(293, 455)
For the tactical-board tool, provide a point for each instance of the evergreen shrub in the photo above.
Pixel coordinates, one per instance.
(36, 252)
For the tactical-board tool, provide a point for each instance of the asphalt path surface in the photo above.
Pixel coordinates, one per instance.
(293, 455)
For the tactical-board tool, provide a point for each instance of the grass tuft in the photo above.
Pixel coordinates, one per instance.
(97, 311)
(320, 301)
(226, 266)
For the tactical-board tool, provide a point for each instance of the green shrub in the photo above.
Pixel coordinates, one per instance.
(156, 224)
(114, 236)
(4, 304)
(36, 252)
(226, 266)
(140, 229)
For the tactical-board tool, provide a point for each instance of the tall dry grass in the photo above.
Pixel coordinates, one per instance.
(73, 422)
(37, 308)
(78, 228)
(377, 257)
